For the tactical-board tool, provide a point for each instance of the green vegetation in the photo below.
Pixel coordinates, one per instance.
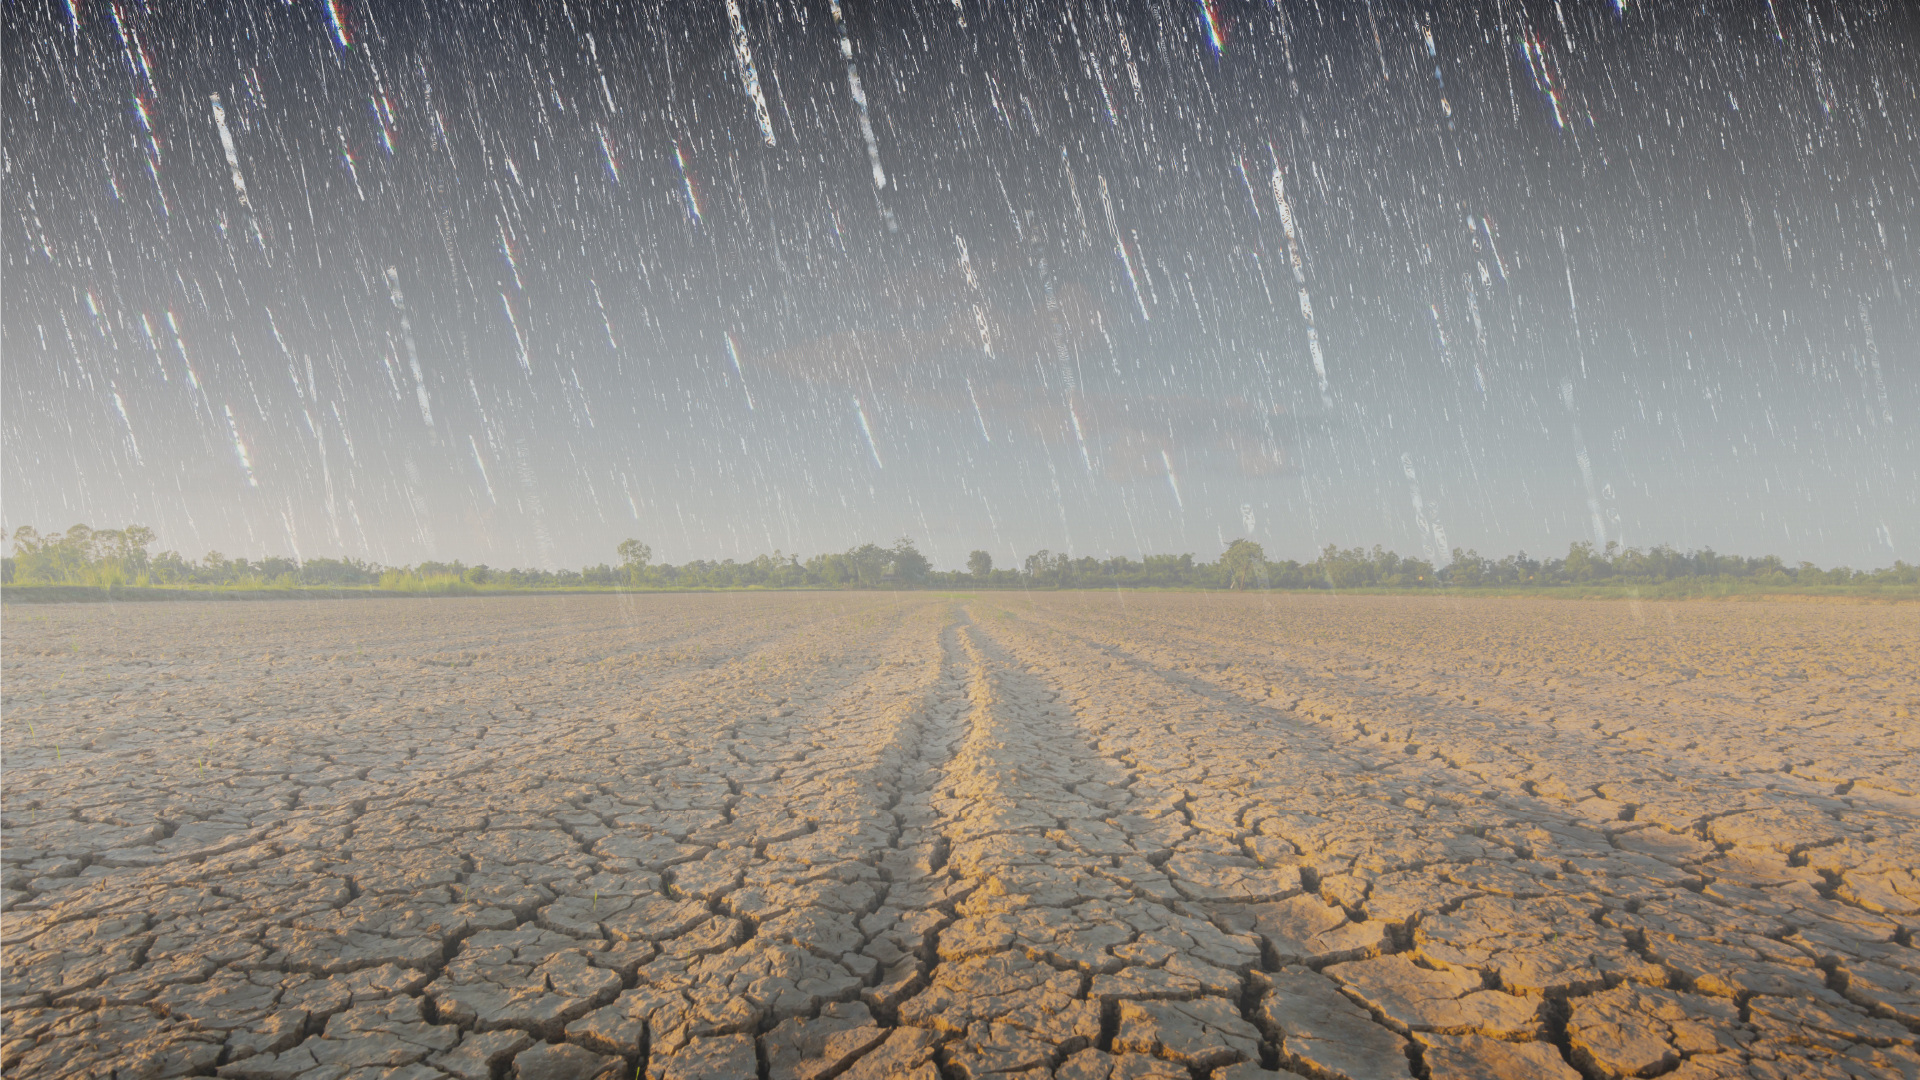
(110, 558)
(1244, 565)
(81, 561)
(81, 556)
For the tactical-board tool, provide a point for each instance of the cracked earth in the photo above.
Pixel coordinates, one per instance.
(1087, 836)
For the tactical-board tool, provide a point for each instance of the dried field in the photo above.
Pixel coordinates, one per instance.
(1092, 836)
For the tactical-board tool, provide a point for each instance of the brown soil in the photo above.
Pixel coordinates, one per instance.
(1094, 835)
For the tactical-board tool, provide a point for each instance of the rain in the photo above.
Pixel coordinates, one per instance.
(509, 283)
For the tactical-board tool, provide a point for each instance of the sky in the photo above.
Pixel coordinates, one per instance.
(509, 283)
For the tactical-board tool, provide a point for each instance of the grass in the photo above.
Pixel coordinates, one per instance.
(432, 585)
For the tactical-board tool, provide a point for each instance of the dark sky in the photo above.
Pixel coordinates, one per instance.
(510, 282)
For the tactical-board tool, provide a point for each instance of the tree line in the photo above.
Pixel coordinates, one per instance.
(119, 557)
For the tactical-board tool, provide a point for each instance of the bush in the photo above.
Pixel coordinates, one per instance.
(430, 584)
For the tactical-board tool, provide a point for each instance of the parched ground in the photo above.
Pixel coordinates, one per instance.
(1094, 836)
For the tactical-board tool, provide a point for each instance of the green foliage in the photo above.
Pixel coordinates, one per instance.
(634, 555)
(81, 556)
(1356, 568)
(335, 572)
(1244, 565)
(909, 565)
(118, 558)
(434, 584)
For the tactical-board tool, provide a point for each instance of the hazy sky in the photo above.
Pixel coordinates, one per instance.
(510, 282)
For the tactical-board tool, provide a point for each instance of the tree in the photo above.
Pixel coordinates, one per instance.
(908, 563)
(869, 563)
(634, 555)
(1469, 568)
(1583, 564)
(830, 569)
(81, 555)
(1244, 565)
(1349, 569)
(980, 564)
(1039, 562)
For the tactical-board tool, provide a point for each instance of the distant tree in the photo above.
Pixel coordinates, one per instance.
(869, 563)
(107, 557)
(908, 564)
(1349, 569)
(1470, 569)
(1168, 569)
(170, 568)
(829, 569)
(634, 555)
(1244, 565)
(1287, 574)
(81, 555)
(312, 572)
(1584, 564)
(276, 568)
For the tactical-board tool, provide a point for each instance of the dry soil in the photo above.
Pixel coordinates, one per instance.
(1093, 836)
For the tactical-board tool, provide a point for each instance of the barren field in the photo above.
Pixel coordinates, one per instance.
(1091, 836)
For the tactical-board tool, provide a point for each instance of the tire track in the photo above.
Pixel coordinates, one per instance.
(1070, 949)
